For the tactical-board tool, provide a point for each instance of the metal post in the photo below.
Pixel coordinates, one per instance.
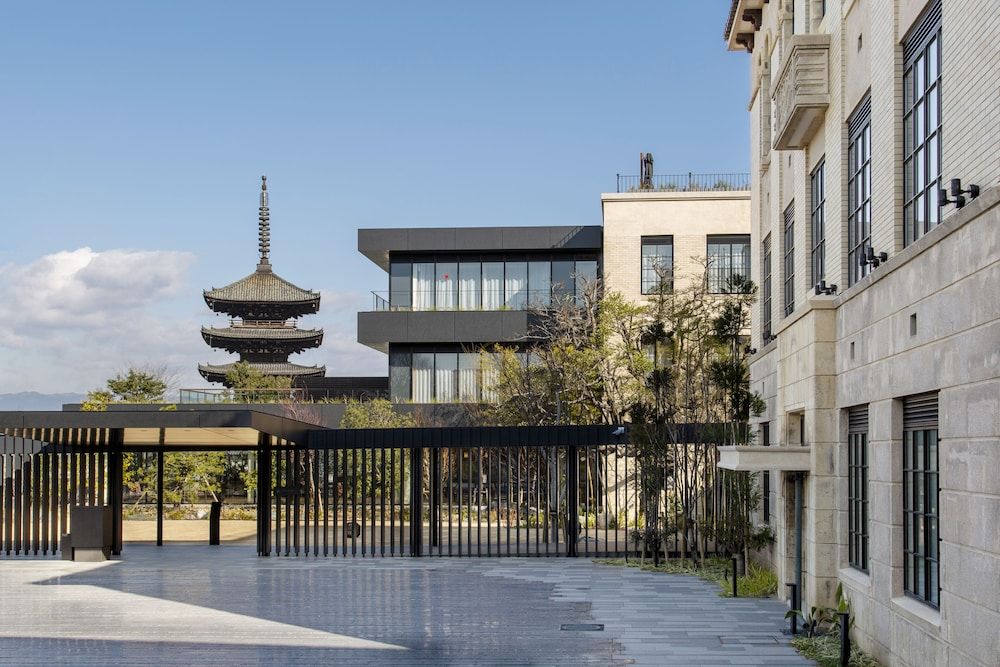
(263, 495)
(735, 592)
(116, 486)
(845, 638)
(159, 498)
(416, 515)
(435, 494)
(798, 537)
(572, 500)
(794, 604)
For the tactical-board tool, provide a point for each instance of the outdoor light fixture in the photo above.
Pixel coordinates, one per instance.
(822, 288)
(750, 350)
(957, 193)
(870, 257)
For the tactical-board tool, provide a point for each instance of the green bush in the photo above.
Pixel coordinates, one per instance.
(825, 650)
(759, 582)
(239, 512)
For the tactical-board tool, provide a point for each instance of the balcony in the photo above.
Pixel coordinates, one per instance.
(685, 183)
(802, 91)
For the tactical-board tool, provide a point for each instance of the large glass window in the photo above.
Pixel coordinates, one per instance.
(516, 285)
(562, 279)
(922, 126)
(857, 487)
(728, 257)
(920, 499)
(584, 278)
(859, 191)
(400, 288)
(423, 377)
(765, 441)
(492, 285)
(446, 286)
(790, 259)
(765, 301)
(423, 286)
(400, 368)
(657, 264)
(469, 286)
(817, 223)
(445, 377)
(539, 284)
(468, 376)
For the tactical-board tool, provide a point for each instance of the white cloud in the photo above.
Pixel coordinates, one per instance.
(70, 319)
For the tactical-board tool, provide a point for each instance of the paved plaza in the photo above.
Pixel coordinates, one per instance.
(189, 605)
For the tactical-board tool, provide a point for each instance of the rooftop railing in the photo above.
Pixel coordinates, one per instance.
(685, 183)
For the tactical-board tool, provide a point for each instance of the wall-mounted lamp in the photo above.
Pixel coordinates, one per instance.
(750, 350)
(822, 288)
(957, 193)
(870, 257)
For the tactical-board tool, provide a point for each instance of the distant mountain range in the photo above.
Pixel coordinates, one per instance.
(32, 400)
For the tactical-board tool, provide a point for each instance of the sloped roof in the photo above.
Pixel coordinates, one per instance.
(268, 333)
(286, 368)
(263, 285)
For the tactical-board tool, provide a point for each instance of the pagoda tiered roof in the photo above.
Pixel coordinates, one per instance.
(267, 306)
(218, 372)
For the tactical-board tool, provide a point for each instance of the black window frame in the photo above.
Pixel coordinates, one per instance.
(662, 281)
(857, 488)
(789, 258)
(921, 500)
(720, 279)
(859, 194)
(921, 141)
(766, 295)
(765, 440)
(817, 259)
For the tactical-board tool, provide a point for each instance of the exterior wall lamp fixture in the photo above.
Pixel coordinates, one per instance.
(870, 257)
(822, 288)
(957, 193)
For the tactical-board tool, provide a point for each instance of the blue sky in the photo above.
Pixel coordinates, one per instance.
(146, 126)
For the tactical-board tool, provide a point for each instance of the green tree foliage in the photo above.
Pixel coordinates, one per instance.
(377, 413)
(249, 385)
(134, 385)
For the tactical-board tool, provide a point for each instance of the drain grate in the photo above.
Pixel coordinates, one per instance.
(583, 627)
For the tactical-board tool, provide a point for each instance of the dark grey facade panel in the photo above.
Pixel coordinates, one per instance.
(378, 329)
(376, 244)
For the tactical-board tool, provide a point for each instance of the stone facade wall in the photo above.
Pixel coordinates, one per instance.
(834, 352)
(687, 216)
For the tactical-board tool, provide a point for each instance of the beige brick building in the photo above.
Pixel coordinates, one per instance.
(676, 230)
(860, 111)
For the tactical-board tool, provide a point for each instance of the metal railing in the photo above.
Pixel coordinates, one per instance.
(240, 395)
(685, 183)
(427, 301)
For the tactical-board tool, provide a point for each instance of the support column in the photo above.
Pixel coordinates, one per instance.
(159, 498)
(416, 500)
(116, 487)
(263, 494)
(572, 500)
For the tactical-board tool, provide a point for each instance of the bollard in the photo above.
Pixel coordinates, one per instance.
(795, 606)
(845, 638)
(214, 525)
(734, 578)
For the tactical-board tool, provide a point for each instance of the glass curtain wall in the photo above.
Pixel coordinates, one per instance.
(423, 286)
(470, 286)
(492, 285)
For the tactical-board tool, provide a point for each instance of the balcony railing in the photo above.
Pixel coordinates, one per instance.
(685, 183)
(425, 301)
(215, 395)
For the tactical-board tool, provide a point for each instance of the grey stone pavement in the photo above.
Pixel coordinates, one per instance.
(193, 605)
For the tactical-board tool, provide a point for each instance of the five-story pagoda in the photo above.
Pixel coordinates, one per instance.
(264, 309)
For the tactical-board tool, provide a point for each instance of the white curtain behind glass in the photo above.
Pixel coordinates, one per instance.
(492, 285)
(539, 284)
(423, 377)
(447, 286)
(468, 376)
(445, 369)
(491, 373)
(469, 289)
(423, 286)
(516, 285)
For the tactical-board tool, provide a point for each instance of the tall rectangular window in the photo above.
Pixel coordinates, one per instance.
(657, 264)
(922, 125)
(446, 377)
(563, 272)
(446, 286)
(859, 191)
(516, 285)
(423, 286)
(468, 376)
(817, 223)
(920, 498)
(539, 284)
(423, 377)
(765, 301)
(789, 259)
(400, 366)
(584, 278)
(492, 285)
(469, 285)
(728, 259)
(400, 287)
(857, 486)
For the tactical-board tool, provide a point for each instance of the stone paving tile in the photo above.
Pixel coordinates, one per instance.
(187, 605)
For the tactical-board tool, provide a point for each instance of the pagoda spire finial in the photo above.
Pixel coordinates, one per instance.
(264, 228)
